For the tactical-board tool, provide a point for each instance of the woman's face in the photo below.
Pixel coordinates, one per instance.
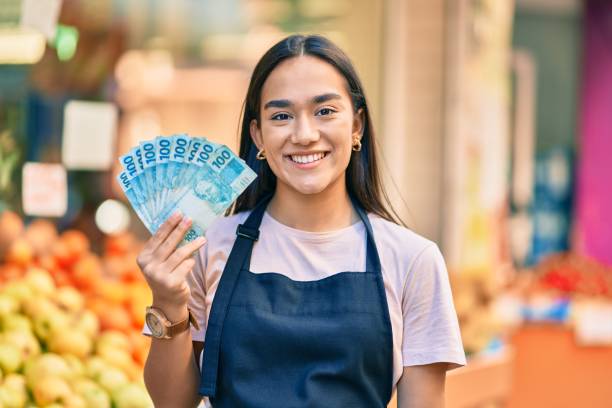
(307, 125)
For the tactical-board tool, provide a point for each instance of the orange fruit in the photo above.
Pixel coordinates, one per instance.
(10, 272)
(87, 272)
(20, 252)
(76, 241)
(119, 244)
(11, 227)
(62, 255)
(115, 317)
(41, 234)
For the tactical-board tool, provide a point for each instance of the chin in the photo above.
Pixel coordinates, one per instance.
(309, 189)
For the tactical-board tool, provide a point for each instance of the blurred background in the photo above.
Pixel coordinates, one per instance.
(494, 120)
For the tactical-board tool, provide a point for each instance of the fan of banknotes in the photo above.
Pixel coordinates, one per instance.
(193, 175)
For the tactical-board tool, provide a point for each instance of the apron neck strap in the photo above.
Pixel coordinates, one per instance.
(250, 230)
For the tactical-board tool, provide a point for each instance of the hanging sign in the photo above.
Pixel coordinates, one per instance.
(89, 135)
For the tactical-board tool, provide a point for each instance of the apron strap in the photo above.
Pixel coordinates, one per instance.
(246, 235)
(372, 258)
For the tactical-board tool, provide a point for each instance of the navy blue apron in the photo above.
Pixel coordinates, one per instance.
(275, 342)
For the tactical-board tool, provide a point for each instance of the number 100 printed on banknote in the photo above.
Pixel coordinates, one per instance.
(193, 175)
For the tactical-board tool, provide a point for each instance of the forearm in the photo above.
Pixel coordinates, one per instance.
(422, 386)
(171, 373)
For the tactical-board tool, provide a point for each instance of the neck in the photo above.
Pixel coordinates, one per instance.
(326, 211)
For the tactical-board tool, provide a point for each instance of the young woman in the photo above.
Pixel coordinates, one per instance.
(310, 294)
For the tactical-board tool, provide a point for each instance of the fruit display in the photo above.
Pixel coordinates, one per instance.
(573, 274)
(473, 298)
(70, 320)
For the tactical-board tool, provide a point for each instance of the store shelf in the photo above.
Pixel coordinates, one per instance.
(483, 381)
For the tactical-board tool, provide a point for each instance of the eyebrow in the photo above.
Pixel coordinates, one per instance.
(285, 103)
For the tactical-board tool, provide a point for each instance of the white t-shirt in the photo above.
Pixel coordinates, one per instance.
(423, 318)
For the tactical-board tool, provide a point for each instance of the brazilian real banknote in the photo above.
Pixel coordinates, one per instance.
(193, 175)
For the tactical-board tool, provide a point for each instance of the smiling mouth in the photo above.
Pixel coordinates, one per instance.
(306, 158)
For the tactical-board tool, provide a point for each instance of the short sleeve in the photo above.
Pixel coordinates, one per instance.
(431, 330)
(197, 301)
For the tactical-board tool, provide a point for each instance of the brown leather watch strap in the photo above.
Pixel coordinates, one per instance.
(183, 325)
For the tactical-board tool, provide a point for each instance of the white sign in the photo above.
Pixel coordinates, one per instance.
(41, 15)
(44, 189)
(593, 323)
(89, 135)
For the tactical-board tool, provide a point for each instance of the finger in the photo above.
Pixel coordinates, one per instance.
(184, 252)
(168, 246)
(162, 232)
(179, 274)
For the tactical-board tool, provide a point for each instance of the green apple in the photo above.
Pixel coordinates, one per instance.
(53, 322)
(69, 299)
(10, 358)
(10, 398)
(35, 307)
(45, 365)
(114, 339)
(73, 342)
(50, 389)
(8, 304)
(131, 396)
(77, 367)
(111, 379)
(114, 356)
(94, 366)
(88, 322)
(40, 281)
(18, 290)
(24, 340)
(92, 393)
(15, 385)
(16, 321)
(74, 401)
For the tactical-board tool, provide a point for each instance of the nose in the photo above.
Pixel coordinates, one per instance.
(305, 131)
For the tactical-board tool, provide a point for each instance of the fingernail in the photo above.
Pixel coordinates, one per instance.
(186, 221)
(176, 216)
(201, 240)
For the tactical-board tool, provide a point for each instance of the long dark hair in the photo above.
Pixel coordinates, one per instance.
(362, 176)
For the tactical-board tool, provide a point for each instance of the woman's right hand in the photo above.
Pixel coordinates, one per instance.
(165, 267)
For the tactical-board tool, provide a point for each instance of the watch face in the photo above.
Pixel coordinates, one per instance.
(155, 325)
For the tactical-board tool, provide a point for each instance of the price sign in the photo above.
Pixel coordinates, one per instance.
(44, 189)
(41, 15)
(89, 135)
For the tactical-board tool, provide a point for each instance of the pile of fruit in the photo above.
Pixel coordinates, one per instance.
(70, 321)
(571, 273)
(473, 297)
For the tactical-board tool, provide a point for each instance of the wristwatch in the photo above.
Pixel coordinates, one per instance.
(162, 328)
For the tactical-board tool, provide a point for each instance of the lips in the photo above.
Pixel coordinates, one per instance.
(307, 158)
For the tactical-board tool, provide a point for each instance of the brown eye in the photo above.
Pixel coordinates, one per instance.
(325, 112)
(280, 116)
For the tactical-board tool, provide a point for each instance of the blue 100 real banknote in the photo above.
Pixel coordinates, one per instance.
(193, 175)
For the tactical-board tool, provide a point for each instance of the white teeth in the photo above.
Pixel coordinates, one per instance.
(307, 158)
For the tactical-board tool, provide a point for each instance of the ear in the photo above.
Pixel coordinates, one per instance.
(256, 134)
(358, 124)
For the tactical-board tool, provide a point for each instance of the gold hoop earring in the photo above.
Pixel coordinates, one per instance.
(261, 155)
(357, 145)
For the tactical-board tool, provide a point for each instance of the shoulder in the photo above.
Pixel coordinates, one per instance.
(223, 226)
(406, 256)
(399, 241)
(221, 234)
